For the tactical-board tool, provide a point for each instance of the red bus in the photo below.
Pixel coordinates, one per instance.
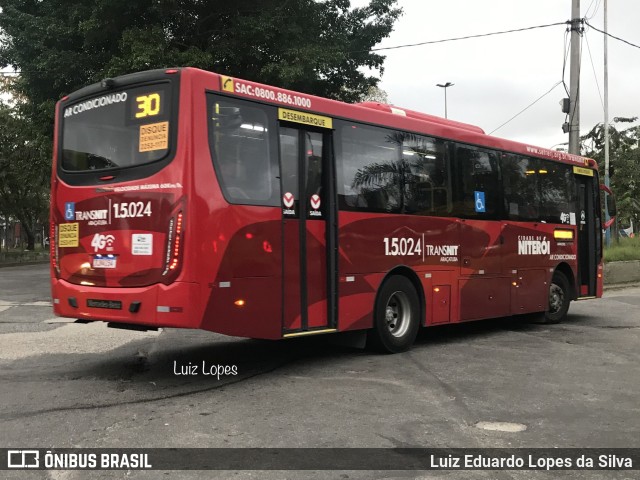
(183, 198)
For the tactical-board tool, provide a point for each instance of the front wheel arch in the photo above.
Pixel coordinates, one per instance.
(568, 272)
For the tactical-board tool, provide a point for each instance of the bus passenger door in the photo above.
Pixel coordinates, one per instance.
(308, 216)
(589, 235)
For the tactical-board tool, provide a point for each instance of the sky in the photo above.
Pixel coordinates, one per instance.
(497, 76)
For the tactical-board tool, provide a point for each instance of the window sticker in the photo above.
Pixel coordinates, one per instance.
(68, 235)
(479, 202)
(305, 118)
(142, 244)
(154, 136)
(69, 211)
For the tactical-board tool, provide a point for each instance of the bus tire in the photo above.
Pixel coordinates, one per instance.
(395, 317)
(559, 299)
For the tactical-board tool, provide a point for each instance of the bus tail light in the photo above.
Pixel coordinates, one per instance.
(174, 244)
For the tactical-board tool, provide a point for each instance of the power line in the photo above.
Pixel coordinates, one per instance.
(527, 107)
(461, 38)
(595, 10)
(612, 36)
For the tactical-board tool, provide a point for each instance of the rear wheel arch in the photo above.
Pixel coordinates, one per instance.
(412, 276)
(397, 312)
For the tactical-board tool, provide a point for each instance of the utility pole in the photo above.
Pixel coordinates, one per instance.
(607, 235)
(574, 80)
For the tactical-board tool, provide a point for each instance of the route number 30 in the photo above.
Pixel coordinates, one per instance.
(148, 105)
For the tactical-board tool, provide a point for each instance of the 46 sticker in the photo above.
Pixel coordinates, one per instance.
(100, 242)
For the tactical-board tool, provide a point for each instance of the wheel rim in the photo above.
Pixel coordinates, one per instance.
(556, 298)
(398, 314)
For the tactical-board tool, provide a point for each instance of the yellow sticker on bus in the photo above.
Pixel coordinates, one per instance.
(68, 235)
(154, 136)
(227, 83)
(583, 171)
(305, 118)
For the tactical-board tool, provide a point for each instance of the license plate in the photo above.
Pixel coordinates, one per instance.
(109, 304)
(104, 263)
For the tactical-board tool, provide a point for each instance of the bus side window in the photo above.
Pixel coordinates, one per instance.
(478, 183)
(427, 190)
(558, 191)
(368, 166)
(521, 187)
(244, 151)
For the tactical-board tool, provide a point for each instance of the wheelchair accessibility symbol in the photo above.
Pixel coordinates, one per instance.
(479, 202)
(69, 210)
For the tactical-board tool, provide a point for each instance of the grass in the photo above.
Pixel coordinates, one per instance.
(626, 249)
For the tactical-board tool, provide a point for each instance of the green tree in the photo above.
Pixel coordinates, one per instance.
(24, 171)
(306, 45)
(375, 94)
(624, 160)
(59, 46)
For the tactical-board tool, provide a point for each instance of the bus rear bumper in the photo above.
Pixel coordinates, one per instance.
(155, 305)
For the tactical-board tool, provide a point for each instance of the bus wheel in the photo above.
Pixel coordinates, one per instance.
(396, 316)
(559, 298)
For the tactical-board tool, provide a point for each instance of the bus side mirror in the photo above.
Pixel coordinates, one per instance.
(611, 205)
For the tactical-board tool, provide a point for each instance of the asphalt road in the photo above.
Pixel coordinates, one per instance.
(576, 384)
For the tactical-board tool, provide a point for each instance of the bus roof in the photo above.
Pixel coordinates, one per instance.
(420, 116)
(385, 115)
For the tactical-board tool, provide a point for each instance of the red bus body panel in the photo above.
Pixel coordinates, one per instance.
(232, 275)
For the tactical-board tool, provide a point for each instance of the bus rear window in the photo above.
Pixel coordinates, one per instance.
(244, 151)
(117, 129)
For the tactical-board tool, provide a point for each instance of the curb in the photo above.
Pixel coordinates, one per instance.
(620, 286)
(19, 264)
(623, 272)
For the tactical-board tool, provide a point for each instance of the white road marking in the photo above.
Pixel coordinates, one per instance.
(4, 303)
(59, 320)
(502, 426)
(72, 338)
(36, 304)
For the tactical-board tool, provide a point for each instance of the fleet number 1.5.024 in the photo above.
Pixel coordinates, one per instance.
(132, 210)
(395, 246)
